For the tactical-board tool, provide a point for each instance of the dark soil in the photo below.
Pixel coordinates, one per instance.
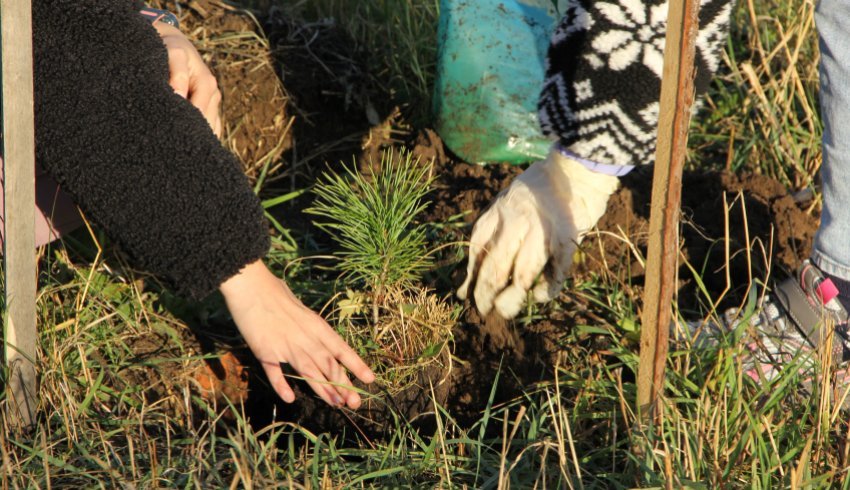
(762, 217)
(778, 230)
(414, 404)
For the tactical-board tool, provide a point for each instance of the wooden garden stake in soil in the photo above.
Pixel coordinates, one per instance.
(677, 96)
(19, 326)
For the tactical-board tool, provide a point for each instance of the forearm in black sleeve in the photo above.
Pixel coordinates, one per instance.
(138, 159)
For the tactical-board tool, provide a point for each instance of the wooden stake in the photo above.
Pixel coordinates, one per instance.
(19, 200)
(677, 96)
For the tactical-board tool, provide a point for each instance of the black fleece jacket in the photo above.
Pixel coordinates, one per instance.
(139, 160)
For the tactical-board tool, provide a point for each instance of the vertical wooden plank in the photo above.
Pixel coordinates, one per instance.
(19, 196)
(677, 96)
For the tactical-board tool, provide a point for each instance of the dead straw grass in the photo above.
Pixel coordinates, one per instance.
(764, 112)
(413, 335)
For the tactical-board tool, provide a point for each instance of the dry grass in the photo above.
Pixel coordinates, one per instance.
(413, 335)
(763, 115)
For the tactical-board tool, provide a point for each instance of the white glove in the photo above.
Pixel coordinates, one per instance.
(533, 227)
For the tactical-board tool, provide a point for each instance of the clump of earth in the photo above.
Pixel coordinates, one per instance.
(763, 218)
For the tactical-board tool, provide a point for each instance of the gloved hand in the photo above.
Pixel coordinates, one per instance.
(527, 238)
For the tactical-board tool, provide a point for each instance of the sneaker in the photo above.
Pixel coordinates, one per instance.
(801, 320)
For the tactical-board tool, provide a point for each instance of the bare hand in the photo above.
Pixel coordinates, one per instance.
(280, 329)
(190, 76)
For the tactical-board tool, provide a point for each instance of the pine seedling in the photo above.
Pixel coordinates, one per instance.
(372, 218)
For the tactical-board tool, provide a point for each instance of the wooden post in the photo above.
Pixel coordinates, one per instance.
(677, 96)
(19, 201)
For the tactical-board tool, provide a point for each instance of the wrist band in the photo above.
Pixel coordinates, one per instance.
(600, 168)
(165, 16)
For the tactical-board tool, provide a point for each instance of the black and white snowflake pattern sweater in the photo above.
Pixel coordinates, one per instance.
(603, 75)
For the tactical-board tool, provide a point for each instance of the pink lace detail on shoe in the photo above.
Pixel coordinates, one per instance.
(826, 291)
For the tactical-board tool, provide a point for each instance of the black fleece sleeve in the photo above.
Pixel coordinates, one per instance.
(137, 158)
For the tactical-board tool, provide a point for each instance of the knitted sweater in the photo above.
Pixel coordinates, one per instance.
(603, 75)
(139, 159)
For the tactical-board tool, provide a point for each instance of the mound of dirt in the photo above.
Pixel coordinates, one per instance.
(760, 214)
(766, 229)
(255, 107)
(762, 218)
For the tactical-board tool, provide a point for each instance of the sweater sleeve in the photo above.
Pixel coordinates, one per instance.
(139, 159)
(601, 94)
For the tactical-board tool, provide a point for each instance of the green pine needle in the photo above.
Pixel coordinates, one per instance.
(372, 218)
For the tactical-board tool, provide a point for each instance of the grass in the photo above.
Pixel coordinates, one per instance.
(401, 40)
(762, 116)
(397, 38)
(120, 408)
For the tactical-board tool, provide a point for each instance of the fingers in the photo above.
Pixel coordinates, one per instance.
(341, 383)
(323, 368)
(319, 383)
(351, 397)
(205, 95)
(530, 261)
(192, 79)
(213, 113)
(321, 372)
(346, 355)
(496, 266)
(338, 350)
(328, 379)
(178, 65)
(217, 127)
(482, 232)
(203, 92)
(278, 381)
(552, 280)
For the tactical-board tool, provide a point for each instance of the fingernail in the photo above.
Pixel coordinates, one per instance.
(338, 400)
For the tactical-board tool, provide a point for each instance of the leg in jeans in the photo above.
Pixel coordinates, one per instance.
(831, 251)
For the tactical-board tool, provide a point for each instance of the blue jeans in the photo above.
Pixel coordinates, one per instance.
(831, 251)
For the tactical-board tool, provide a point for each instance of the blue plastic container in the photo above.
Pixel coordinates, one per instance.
(491, 65)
